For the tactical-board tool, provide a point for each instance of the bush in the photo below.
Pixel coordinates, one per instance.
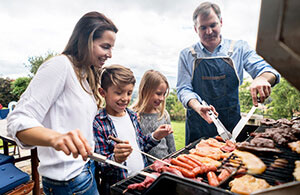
(174, 107)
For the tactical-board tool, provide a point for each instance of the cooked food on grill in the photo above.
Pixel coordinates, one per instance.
(247, 184)
(206, 160)
(252, 162)
(210, 142)
(262, 142)
(171, 170)
(296, 172)
(185, 172)
(179, 163)
(224, 174)
(279, 163)
(277, 123)
(279, 135)
(206, 151)
(259, 144)
(212, 178)
(268, 122)
(158, 165)
(143, 185)
(229, 146)
(295, 146)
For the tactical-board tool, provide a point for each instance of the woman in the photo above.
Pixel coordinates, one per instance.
(57, 109)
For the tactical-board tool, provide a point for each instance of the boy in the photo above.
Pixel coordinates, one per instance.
(117, 83)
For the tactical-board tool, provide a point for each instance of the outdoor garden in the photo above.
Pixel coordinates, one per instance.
(284, 101)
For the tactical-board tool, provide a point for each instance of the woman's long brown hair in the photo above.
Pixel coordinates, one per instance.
(79, 49)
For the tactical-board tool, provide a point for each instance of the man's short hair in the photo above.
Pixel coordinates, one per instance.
(204, 10)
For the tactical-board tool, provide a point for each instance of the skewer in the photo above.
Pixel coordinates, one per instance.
(150, 156)
(103, 159)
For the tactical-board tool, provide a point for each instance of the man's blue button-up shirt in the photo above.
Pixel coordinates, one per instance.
(244, 58)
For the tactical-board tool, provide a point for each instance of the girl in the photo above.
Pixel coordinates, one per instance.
(153, 90)
(57, 110)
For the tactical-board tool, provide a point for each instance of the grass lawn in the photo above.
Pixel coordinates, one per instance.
(179, 133)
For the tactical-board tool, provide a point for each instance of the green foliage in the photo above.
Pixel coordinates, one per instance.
(285, 101)
(5, 92)
(245, 97)
(36, 61)
(20, 85)
(174, 107)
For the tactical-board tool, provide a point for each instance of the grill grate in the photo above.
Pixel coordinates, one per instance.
(168, 182)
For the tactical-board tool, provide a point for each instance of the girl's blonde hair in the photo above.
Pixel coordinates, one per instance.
(148, 85)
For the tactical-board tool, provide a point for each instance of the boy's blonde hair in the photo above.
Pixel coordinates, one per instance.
(149, 83)
(117, 75)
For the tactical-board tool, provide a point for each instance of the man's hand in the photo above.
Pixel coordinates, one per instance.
(261, 85)
(203, 111)
(122, 151)
(162, 131)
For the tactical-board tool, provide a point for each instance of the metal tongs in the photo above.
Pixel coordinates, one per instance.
(103, 159)
(222, 131)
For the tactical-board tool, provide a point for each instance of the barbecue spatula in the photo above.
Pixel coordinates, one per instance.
(239, 127)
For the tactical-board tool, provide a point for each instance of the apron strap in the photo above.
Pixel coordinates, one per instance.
(231, 47)
(192, 50)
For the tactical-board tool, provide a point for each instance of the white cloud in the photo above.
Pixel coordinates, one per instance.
(151, 32)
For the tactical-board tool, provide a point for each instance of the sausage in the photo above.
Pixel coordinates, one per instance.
(223, 175)
(198, 170)
(186, 160)
(181, 164)
(219, 138)
(205, 168)
(185, 172)
(212, 178)
(195, 160)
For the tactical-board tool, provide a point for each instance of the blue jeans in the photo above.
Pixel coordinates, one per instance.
(84, 183)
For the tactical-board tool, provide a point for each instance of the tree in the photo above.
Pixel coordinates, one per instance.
(245, 97)
(174, 107)
(285, 101)
(36, 61)
(20, 85)
(5, 92)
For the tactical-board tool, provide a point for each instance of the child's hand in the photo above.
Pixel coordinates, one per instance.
(162, 131)
(122, 151)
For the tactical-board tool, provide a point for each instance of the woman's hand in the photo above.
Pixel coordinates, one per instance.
(73, 143)
(122, 151)
(162, 131)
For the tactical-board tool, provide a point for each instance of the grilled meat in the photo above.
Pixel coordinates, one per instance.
(247, 184)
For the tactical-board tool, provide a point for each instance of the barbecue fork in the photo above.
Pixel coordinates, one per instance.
(222, 131)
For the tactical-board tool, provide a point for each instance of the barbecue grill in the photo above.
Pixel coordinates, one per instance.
(168, 183)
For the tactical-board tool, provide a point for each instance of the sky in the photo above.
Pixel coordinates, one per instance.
(151, 32)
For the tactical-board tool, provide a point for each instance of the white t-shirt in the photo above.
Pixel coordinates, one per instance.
(55, 99)
(125, 131)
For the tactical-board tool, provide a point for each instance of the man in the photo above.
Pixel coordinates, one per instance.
(212, 70)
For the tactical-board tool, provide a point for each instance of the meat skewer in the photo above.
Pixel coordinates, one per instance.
(135, 149)
(103, 159)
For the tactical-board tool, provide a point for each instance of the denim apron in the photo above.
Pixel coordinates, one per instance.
(216, 81)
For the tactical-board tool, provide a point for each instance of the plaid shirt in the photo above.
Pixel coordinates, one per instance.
(104, 127)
